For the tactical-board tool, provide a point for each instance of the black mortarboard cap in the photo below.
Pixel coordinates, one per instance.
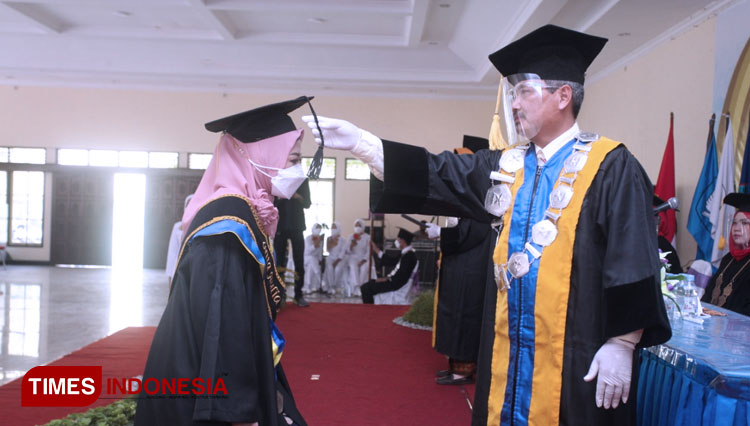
(738, 200)
(405, 235)
(475, 143)
(259, 123)
(552, 52)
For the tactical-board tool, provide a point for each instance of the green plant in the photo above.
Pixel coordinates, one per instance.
(421, 309)
(119, 413)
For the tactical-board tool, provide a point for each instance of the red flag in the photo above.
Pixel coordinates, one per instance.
(665, 187)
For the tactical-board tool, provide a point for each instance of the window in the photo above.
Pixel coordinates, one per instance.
(27, 208)
(199, 161)
(103, 158)
(163, 160)
(28, 155)
(327, 170)
(133, 159)
(73, 157)
(321, 194)
(356, 170)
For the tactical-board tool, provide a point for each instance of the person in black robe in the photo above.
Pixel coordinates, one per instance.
(290, 228)
(403, 267)
(217, 335)
(579, 310)
(464, 264)
(729, 287)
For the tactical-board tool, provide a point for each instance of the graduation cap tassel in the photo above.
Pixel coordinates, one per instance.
(317, 162)
(496, 135)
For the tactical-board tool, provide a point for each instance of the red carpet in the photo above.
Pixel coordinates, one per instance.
(371, 371)
(122, 354)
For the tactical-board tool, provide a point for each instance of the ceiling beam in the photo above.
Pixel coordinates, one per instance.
(222, 25)
(364, 6)
(416, 22)
(29, 15)
(581, 16)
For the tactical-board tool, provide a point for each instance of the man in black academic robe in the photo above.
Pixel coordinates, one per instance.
(399, 275)
(290, 228)
(465, 263)
(593, 296)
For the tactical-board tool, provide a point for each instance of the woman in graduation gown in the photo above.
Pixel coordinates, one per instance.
(217, 333)
(730, 285)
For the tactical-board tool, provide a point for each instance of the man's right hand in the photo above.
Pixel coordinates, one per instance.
(338, 134)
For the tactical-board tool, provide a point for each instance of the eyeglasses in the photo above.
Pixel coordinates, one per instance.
(527, 90)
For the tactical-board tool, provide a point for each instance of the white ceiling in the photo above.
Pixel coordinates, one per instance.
(358, 47)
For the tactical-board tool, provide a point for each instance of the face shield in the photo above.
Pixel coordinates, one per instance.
(522, 104)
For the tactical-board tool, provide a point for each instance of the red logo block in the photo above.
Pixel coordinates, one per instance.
(61, 386)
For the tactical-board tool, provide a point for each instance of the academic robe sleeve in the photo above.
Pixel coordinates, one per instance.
(447, 184)
(462, 237)
(406, 266)
(632, 292)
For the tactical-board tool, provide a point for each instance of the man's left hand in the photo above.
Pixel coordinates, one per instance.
(613, 365)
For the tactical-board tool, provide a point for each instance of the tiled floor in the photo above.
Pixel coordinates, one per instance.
(47, 312)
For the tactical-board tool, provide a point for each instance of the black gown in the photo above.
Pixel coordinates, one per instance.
(464, 267)
(614, 271)
(737, 272)
(217, 324)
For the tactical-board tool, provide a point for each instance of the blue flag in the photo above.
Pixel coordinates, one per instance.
(699, 223)
(745, 176)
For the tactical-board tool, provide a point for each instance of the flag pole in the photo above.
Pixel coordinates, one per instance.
(711, 125)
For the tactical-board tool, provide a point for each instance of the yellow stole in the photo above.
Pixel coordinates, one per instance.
(551, 303)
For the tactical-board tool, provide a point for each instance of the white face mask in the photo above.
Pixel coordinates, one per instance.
(397, 243)
(316, 231)
(335, 231)
(286, 182)
(358, 229)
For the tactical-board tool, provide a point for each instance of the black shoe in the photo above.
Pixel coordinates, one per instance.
(449, 380)
(443, 373)
(301, 302)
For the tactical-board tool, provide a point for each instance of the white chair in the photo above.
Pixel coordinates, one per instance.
(400, 296)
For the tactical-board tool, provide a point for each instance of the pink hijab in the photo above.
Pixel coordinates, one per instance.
(229, 172)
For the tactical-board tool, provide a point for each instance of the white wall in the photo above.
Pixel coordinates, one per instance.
(170, 121)
(633, 106)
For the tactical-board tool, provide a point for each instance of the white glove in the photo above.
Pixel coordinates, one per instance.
(613, 364)
(341, 134)
(433, 231)
(451, 221)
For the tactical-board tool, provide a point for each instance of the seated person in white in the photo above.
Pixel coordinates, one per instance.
(400, 274)
(335, 267)
(313, 256)
(357, 257)
(175, 241)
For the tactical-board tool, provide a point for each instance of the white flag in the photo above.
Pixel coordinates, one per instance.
(722, 214)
